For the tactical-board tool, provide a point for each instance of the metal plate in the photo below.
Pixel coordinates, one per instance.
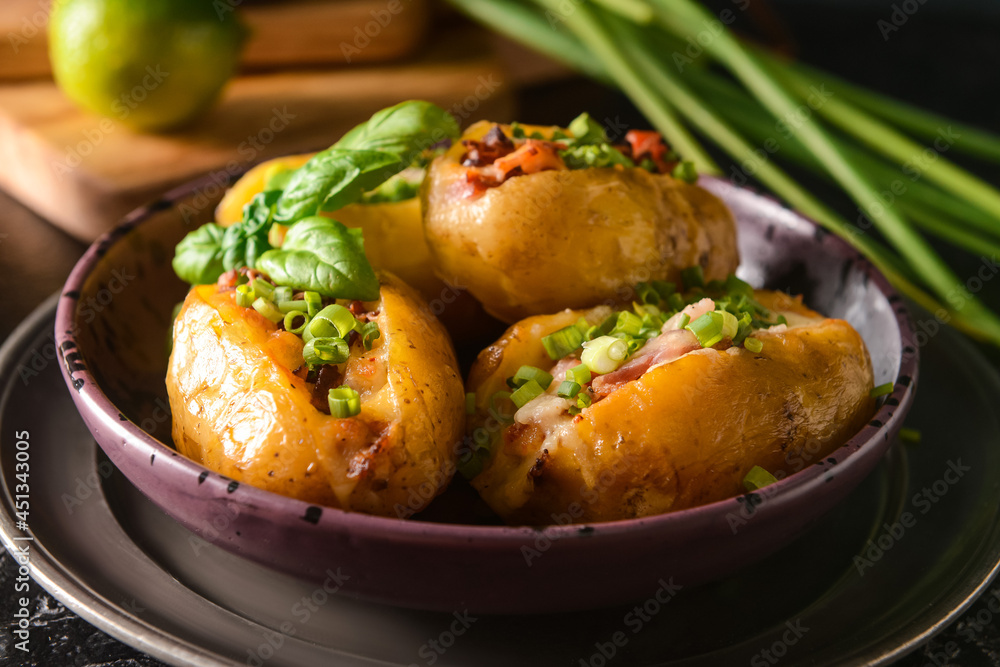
(905, 554)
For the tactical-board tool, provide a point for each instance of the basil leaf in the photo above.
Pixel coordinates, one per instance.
(322, 255)
(586, 130)
(409, 127)
(247, 240)
(198, 257)
(364, 158)
(333, 179)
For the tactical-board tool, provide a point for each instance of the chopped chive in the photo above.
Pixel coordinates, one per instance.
(470, 402)
(730, 325)
(244, 296)
(734, 285)
(647, 294)
(262, 288)
(334, 320)
(327, 350)
(755, 345)
(628, 323)
(289, 322)
(579, 374)
(707, 329)
(684, 321)
(758, 478)
(268, 309)
(604, 354)
(526, 392)
(288, 306)
(663, 288)
(568, 389)
(602, 329)
(583, 400)
(282, 293)
(369, 333)
(526, 374)
(676, 302)
(562, 342)
(685, 171)
(344, 402)
(314, 302)
(692, 277)
(882, 390)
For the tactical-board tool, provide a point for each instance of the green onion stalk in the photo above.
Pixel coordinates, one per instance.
(738, 95)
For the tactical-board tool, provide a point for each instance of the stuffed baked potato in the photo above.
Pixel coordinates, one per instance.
(530, 227)
(674, 424)
(244, 405)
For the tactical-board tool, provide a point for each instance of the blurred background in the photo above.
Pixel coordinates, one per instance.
(309, 70)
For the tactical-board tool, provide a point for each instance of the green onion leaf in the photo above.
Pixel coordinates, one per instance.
(369, 332)
(314, 302)
(292, 306)
(562, 342)
(881, 390)
(707, 329)
(627, 323)
(262, 288)
(758, 478)
(327, 350)
(663, 288)
(692, 277)
(579, 374)
(526, 374)
(647, 294)
(568, 389)
(344, 402)
(282, 293)
(583, 400)
(527, 392)
(244, 296)
(755, 345)
(290, 319)
(334, 320)
(685, 171)
(268, 309)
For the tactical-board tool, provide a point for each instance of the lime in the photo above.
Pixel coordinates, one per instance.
(151, 64)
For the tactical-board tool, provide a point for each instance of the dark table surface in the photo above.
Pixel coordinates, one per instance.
(943, 60)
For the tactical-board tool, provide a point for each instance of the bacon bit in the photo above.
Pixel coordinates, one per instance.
(357, 308)
(532, 156)
(536, 467)
(495, 144)
(665, 347)
(228, 280)
(649, 143)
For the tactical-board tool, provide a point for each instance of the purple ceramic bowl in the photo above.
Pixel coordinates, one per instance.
(112, 326)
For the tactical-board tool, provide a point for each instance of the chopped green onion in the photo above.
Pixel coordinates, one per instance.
(604, 354)
(334, 320)
(268, 309)
(314, 302)
(327, 350)
(579, 374)
(730, 325)
(758, 478)
(736, 286)
(602, 329)
(692, 277)
(881, 390)
(290, 325)
(470, 402)
(663, 288)
(685, 319)
(472, 462)
(647, 294)
(244, 296)
(568, 389)
(676, 302)
(685, 171)
(293, 306)
(526, 374)
(262, 288)
(707, 329)
(562, 342)
(746, 328)
(344, 402)
(909, 435)
(526, 392)
(574, 410)
(627, 323)
(755, 345)
(369, 332)
(583, 400)
(282, 293)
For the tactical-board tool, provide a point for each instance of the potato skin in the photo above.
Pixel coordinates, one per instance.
(685, 433)
(569, 239)
(240, 409)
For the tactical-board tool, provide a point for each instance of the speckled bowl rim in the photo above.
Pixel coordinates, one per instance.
(262, 502)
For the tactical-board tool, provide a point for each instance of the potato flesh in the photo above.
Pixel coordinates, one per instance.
(556, 239)
(685, 433)
(241, 409)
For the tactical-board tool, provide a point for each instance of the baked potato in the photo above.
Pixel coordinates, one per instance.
(676, 425)
(534, 236)
(244, 407)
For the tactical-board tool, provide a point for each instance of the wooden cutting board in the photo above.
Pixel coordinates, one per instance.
(291, 32)
(83, 172)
